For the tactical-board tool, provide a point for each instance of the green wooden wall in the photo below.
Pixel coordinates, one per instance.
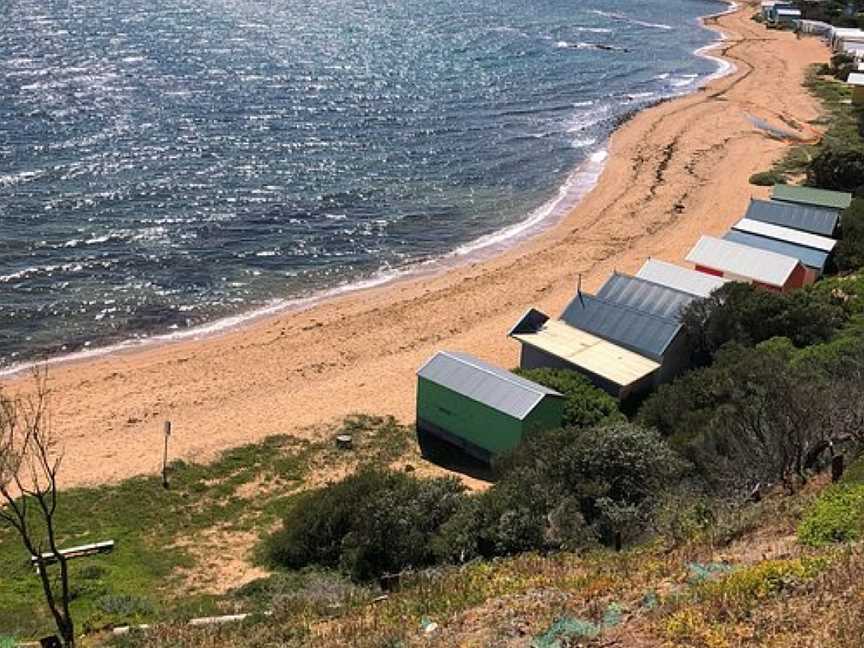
(481, 425)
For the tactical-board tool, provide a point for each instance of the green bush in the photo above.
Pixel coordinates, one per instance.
(840, 170)
(837, 516)
(747, 315)
(753, 416)
(767, 178)
(372, 523)
(850, 250)
(563, 488)
(586, 405)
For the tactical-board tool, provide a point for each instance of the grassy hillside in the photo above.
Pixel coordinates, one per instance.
(179, 548)
(745, 578)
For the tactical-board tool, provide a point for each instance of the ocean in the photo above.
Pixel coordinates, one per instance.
(173, 167)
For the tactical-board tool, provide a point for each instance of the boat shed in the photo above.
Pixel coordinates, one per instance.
(814, 261)
(806, 218)
(841, 34)
(658, 338)
(848, 41)
(480, 408)
(646, 296)
(856, 80)
(557, 345)
(785, 15)
(739, 262)
(684, 279)
(811, 196)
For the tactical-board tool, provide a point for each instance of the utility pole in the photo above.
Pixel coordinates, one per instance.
(165, 455)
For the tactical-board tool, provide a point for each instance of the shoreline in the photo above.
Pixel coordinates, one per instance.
(674, 171)
(579, 183)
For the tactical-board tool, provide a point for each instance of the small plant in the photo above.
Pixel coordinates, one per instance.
(767, 179)
(586, 405)
(91, 572)
(125, 606)
(837, 516)
(737, 593)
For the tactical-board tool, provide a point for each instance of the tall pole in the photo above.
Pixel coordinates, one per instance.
(165, 455)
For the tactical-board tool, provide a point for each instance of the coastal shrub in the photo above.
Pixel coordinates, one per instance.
(586, 404)
(849, 254)
(374, 522)
(837, 516)
(752, 417)
(747, 315)
(735, 595)
(569, 486)
(840, 170)
(767, 178)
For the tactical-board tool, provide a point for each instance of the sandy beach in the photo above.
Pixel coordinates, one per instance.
(675, 171)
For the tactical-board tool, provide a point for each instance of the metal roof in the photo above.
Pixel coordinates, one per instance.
(485, 383)
(743, 260)
(811, 196)
(856, 79)
(669, 274)
(643, 333)
(788, 12)
(816, 220)
(808, 256)
(646, 296)
(780, 233)
(589, 352)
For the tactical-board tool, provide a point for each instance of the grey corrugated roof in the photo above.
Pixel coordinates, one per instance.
(808, 256)
(817, 220)
(646, 296)
(743, 261)
(641, 332)
(669, 274)
(485, 383)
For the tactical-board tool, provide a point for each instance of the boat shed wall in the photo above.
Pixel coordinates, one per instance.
(483, 409)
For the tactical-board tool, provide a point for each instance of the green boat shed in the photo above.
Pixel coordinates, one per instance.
(480, 408)
(811, 196)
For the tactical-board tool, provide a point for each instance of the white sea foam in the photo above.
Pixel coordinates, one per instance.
(578, 184)
(628, 19)
(724, 67)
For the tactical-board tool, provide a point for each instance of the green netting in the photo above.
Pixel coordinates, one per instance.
(564, 629)
(612, 616)
(569, 628)
(700, 572)
(650, 600)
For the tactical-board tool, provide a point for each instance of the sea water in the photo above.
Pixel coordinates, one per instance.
(182, 163)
